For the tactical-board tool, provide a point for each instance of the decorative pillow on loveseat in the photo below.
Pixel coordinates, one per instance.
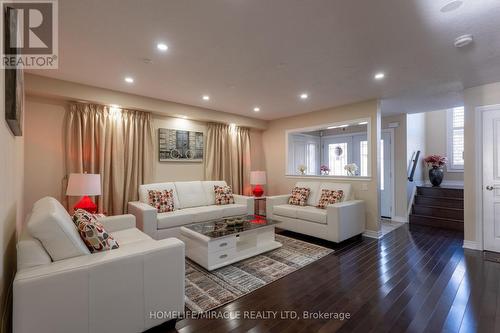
(299, 196)
(329, 197)
(163, 200)
(223, 195)
(93, 233)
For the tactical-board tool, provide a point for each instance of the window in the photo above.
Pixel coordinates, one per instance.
(455, 139)
(311, 159)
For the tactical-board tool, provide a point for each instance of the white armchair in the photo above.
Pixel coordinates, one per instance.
(336, 223)
(111, 291)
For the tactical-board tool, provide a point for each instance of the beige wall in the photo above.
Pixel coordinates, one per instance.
(400, 164)
(274, 149)
(436, 142)
(474, 97)
(11, 187)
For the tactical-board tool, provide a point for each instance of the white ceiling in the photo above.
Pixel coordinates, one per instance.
(247, 53)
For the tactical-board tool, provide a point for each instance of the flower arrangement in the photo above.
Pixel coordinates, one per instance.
(302, 169)
(351, 169)
(325, 170)
(435, 161)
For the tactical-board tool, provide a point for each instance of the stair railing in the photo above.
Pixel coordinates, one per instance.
(413, 165)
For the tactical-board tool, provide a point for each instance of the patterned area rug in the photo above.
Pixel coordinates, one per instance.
(206, 290)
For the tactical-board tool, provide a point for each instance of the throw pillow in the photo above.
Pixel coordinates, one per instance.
(163, 201)
(93, 233)
(330, 197)
(299, 196)
(223, 195)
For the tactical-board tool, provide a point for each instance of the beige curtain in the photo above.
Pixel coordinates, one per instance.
(227, 156)
(115, 143)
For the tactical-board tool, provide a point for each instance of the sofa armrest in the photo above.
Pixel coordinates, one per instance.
(112, 291)
(118, 222)
(146, 217)
(346, 219)
(245, 200)
(275, 201)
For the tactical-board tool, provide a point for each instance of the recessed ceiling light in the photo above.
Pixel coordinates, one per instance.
(363, 123)
(304, 96)
(162, 47)
(256, 109)
(451, 6)
(462, 41)
(129, 79)
(206, 97)
(379, 76)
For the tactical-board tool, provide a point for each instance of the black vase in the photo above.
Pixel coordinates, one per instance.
(436, 176)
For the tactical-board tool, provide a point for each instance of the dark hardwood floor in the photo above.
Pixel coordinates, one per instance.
(415, 279)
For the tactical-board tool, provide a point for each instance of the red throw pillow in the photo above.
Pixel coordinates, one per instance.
(163, 201)
(223, 195)
(93, 233)
(329, 197)
(299, 196)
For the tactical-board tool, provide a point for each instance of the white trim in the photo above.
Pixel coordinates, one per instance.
(412, 200)
(448, 183)
(471, 245)
(402, 219)
(354, 178)
(393, 198)
(449, 142)
(373, 234)
(324, 126)
(479, 170)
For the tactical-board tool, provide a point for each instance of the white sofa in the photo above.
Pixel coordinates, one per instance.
(193, 202)
(336, 223)
(60, 287)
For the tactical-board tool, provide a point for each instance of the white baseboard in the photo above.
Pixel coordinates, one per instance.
(471, 245)
(373, 234)
(402, 219)
(448, 183)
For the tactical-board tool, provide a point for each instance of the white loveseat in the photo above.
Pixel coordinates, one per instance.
(336, 223)
(193, 202)
(60, 287)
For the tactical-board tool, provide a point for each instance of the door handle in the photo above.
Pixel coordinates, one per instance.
(491, 188)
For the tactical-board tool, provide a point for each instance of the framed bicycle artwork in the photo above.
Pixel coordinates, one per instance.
(180, 146)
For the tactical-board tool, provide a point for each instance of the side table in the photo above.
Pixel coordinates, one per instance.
(258, 203)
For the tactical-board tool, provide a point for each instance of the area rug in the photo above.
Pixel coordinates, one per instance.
(206, 290)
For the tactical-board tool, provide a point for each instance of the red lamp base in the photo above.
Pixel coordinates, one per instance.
(258, 191)
(86, 204)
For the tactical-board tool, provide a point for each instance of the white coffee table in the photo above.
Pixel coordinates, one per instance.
(212, 246)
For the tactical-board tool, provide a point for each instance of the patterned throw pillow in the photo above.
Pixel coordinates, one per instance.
(299, 196)
(223, 195)
(330, 197)
(163, 201)
(93, 233)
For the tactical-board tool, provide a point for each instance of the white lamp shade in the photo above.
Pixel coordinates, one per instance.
(80, 184)
(258, 178)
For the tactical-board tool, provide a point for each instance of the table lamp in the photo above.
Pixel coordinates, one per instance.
(258, 178)
(84, 185)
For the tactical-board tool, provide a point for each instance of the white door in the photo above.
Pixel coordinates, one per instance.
(386, 174)
(491, 180)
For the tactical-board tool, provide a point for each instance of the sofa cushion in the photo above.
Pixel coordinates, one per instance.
(51, 224)
(128, 236)
(299, 196)
(234, 210)
(285, 210)
(329, 197)
(345, 187)
(163, 200)
(189, 215)
(30, 252)
(313, 198)
(223, 195)
(208, 186)
(191, 194)
(93, 232)
(143, 191)
(312, 214)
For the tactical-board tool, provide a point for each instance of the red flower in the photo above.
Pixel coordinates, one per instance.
(436, 161)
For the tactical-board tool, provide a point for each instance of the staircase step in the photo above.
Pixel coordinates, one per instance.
(439, 201)
(440, 192)
(444, 212)
(436, 222)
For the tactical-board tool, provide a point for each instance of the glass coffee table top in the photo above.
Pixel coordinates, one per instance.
(231, 225)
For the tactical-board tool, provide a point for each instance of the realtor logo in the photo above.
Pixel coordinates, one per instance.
(29, 34)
